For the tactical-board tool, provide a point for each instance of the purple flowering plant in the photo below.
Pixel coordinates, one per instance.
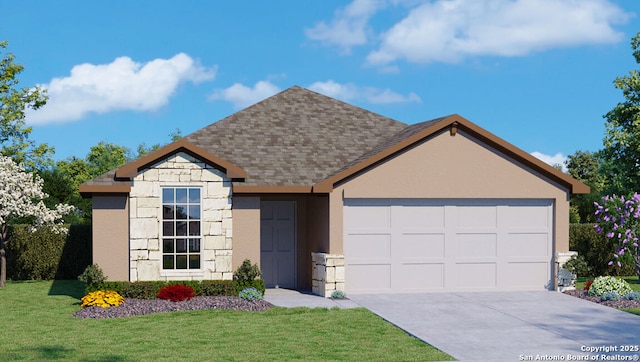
(618, 218)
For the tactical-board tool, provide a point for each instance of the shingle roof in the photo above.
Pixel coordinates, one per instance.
(295, 138)
(301, 141)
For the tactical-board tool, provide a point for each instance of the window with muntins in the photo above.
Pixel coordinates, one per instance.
(181, 236)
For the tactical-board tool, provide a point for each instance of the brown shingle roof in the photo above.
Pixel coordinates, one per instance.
(302, 141)
(295, 138)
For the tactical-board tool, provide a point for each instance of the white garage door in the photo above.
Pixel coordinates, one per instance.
(417, 245)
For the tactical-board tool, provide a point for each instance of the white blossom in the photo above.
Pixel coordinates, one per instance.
(21, 195)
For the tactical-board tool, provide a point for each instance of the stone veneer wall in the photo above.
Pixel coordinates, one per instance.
(145, 254)
(328, 273)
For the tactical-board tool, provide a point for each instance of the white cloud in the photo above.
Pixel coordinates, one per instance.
(120, 85)
(349, 26)
(450, 30)
(349, 91)
(242, 96)
(557, 159)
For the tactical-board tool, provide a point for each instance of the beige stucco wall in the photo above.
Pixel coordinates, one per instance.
(180, 170)
(110, 228)
(312, 231)
(246, 226)
(454, 167)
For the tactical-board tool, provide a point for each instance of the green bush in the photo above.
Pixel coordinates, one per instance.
(45, 255)
(250, 294)
(596, 249)
(149, 289)
(248, 276)
(93, 276)
(604, 284)
(578, 265)
(141, 290)
(217, 287)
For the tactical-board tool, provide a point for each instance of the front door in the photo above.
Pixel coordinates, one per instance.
(277, 243)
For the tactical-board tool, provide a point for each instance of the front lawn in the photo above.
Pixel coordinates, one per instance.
(632, 280)
(37, 324)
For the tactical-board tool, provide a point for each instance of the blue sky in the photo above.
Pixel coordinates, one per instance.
(537, 73)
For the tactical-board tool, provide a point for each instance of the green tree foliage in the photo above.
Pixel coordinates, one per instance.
(621, 151)
(14, 102)
(69, 174)
(584, 166)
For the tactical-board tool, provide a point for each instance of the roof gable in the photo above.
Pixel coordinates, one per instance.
(423, 131)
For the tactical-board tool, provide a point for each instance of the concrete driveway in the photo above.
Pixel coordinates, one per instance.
(510, 326)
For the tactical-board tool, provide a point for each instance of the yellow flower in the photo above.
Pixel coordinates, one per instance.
(102, 298)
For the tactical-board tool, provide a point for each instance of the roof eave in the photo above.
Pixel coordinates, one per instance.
(131, 169)
(89, 190)
(250, 189)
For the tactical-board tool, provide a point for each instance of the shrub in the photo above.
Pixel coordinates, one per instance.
(596, 250)
(92, 275)
(632, 296)
(587, 285)
(605, 284)
(246, 271)
(609, 296)
(250, 294)
(338, 294)
(141, 290)
(45, 255)
(176, 293)
(218, 288)
(577, 265)
(102, 298)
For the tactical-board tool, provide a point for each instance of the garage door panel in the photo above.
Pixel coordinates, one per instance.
(476, 276)
(477, 245)
(367, 246)
(368, 277)
(477, 217)
(528, 245)
(420, 216)
(528, 217)
(447, 245)
(367, 216)
(527, 276)
(422, 246)
(421, 277)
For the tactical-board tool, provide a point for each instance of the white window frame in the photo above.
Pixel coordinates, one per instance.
(186, 237)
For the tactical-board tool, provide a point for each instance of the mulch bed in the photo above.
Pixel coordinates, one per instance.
(133, 307)
(622, 303)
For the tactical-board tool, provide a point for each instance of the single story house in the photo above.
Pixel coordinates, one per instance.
(327, 196)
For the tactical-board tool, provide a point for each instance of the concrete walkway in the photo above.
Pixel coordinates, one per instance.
(509, 326)
(293, 298)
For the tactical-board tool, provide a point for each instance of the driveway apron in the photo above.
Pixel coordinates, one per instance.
(510, 326)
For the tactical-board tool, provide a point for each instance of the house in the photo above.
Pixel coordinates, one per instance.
(324, 195)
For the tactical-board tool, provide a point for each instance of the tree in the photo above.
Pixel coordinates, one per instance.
(21, 196)
(619, 220)
(584, 166)
(622, 135)
(14, 134)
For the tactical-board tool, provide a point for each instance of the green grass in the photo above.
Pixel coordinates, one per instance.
(37, 324)
(633, 282)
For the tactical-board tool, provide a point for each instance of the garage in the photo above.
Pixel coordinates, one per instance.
(447, 245)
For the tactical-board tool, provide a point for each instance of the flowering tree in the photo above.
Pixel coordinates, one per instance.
(21, 195)
(618, 218)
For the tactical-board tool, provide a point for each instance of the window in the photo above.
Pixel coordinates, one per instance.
(181, 236)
